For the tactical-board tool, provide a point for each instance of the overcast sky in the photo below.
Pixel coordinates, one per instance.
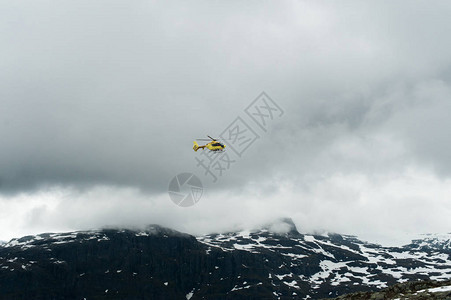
(100, 102)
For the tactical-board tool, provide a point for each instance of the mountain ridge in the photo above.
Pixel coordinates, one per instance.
(275, 262)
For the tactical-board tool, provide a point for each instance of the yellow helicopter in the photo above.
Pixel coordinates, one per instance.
(214, 145)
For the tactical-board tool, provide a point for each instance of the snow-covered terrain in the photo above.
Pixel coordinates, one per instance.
(342, 259)
(286, 263)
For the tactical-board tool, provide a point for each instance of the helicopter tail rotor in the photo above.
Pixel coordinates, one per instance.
(196, 146)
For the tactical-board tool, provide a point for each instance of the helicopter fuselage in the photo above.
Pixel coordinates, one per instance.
(215, 146)
(212, 146)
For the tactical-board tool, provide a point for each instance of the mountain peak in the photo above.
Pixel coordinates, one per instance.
(433, 242)
(282, 226)
(156, 229)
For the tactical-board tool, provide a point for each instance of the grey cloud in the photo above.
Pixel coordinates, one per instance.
(95, 94)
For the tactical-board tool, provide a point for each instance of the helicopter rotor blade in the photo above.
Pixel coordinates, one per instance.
(213, 138)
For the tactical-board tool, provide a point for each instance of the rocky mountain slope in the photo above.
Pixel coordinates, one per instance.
(276, 262)
(414, 290)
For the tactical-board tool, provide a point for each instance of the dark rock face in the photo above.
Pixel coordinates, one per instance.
(160, 263)
(122, 264)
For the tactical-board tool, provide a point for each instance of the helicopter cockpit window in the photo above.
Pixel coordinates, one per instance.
(216, 144)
